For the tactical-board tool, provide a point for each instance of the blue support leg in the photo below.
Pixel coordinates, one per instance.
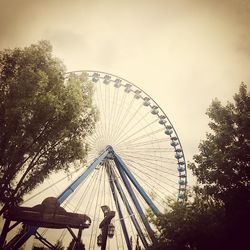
(136, 203)
(129, 209)
(139, 188)
(72, 187)
(20, 240)
(124, 229)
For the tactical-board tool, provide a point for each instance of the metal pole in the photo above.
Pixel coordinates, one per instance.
(104, 237)
(4, 233)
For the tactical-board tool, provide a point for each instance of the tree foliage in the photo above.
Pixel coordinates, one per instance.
(189, 225)
(43, 118)
(216, 215)
(223, 164)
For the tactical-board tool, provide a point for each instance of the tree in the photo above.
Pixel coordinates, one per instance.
(216, 215)
(196, 224)
(223, 164)
(44, 119)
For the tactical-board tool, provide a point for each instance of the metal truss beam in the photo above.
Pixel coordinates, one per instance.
(139, 188)
(135, 200)
(117, 204)
(129, 209)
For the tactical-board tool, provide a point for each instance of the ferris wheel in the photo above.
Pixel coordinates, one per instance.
(134, 163)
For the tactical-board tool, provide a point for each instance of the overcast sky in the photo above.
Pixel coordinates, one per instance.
(182, 53)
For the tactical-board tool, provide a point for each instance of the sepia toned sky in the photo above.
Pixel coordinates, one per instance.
(182, 53)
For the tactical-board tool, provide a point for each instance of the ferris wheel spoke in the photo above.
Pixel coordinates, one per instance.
(132, 229)
(150, 164)
(95, 212)
(110, 112)
(146, 159)
(88, 184)
(133, 124)
(114, 111)
(123, 119)
(140, 137)
(146, 155)
(125, 128)
(118, 114)
(155, 179)
(139, 132)
(159, 169)
(98, 130)
(50, 186)
(135, 168)
(143, 143)
(103, 104)
(146, 150)
(149, 186)
(146, 184)
(118, 236)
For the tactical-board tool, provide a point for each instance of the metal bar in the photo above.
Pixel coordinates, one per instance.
(4, 232)
(20, 239)
(66, 193)
(129, 209)
(139, 188)
(79, 236)
(124, 229)
(135, 200)
(104, 237)
(14, 225)
(44, 241)
(72, 187)
(72, 233)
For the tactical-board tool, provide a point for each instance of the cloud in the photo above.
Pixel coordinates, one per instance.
(66, 40)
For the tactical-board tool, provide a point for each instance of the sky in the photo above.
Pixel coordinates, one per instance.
(181, 53)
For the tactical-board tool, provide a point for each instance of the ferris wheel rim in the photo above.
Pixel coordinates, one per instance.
(151, 106)
(96, 184)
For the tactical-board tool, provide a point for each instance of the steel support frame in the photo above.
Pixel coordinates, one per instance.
(139, 188)
(124, 172)
(135, 200)
(129, 209)
(19, 241)
(117, 204)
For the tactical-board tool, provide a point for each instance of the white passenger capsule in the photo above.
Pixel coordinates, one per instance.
(180, 169)
(181, 163)
(154, 110)
(174, 143)
(178, 150)
(178, 156)
(107, 79)
(182, 182)
(118, 83)
(137, 94)
(174, 138)
(127, 88)
(181, 196)
(168, 131)
(95, 77)
(146, 101)
(162, 122)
